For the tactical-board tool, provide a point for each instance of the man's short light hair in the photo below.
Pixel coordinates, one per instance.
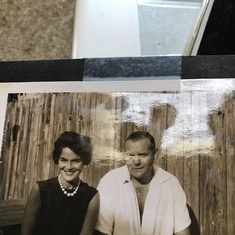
(139, 135)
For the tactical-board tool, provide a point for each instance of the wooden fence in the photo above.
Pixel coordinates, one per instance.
(34, 121)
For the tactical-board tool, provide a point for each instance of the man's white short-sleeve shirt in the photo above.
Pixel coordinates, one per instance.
(165, 211)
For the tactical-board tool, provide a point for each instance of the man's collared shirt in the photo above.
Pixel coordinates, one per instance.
(165, 211)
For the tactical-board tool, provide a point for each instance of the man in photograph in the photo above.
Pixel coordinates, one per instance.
(140, 198)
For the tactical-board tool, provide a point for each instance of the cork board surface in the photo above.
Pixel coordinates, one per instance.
(36, 30)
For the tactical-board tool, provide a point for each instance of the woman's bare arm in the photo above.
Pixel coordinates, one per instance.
(31, 211)
(91, 216)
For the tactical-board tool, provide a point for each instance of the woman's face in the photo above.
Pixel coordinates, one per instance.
(70, 165)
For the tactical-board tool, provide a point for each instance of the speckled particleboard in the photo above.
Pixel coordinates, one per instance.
(36, 30)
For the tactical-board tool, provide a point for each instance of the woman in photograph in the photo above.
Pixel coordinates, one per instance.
(64, 205)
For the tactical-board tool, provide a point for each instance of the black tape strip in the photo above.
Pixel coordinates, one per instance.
(42, 71)
(195, 67)
(164, 66)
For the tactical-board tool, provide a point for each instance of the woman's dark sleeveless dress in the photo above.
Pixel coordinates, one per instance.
(59, 214)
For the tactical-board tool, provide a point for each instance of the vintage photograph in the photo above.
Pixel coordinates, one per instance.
(138, 162)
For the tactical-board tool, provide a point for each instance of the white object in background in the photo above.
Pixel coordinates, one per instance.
(127, 28)
(106, 28)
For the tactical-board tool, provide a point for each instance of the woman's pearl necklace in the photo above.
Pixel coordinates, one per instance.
(64, 189)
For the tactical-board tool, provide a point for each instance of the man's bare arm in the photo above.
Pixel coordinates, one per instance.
(184, 232)
(99, 233)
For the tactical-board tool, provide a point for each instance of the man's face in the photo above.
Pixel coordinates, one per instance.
(140, 159)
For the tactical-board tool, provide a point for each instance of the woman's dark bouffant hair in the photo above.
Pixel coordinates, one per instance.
(79, 144)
